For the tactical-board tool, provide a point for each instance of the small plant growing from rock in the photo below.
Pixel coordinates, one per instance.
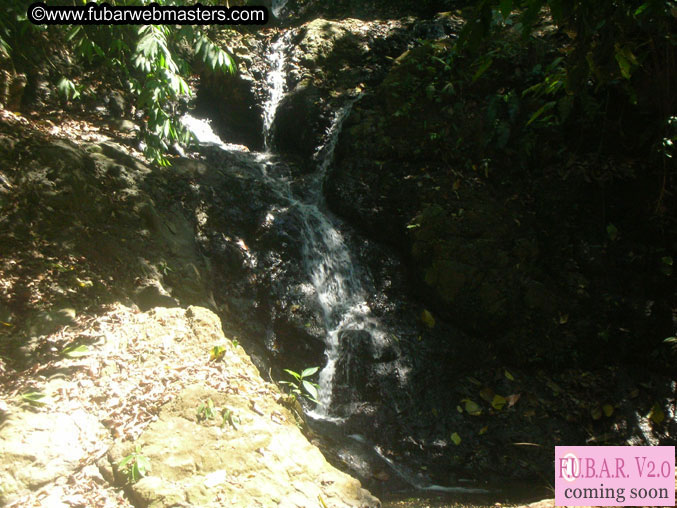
(136, 465)
(205, 411)
(228, 417)
(301, 386)
(216, 353)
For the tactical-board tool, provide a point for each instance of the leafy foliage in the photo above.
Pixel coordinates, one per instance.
(301, 386)
(34, 398)
(206, 411)
(620, 52)
(136, 465)
(147, 59)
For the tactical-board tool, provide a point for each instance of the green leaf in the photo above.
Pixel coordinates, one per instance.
(509, 376)
(482, 69)
(612, 232)
(296, 375)
(641, 9)
(428, 319)
(456, 439)
(217, 353)
(34, 398)
(472, 407)
(545, 107)
(309, 371)
(656, 415)
(626, 60)
(498, 402)
(126, 460)
(311, 389)
(76, 351)
(143, 464)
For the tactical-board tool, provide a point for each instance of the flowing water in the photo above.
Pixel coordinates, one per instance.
(340, 284)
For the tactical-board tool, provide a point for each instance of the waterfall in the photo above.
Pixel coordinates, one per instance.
(338, 281)
(276, 84)
(277, 7)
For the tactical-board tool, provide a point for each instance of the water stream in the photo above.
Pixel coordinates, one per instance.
(340, 285)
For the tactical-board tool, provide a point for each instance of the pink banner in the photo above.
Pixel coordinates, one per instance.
(615, 475)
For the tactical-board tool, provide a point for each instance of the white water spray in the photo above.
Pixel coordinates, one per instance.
(276, 85)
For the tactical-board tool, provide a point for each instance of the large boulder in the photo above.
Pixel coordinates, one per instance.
(36, 448)
(213, 431)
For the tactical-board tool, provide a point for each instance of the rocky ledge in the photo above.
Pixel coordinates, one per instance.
(185, 406)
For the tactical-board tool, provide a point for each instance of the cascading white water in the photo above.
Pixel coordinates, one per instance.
(277, 7)
(337, 281)
(276, 84)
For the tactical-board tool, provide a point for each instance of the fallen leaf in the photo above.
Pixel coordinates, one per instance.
(656, 414)
(487, 394)
(512, 399)
(428, 319)
(472, 407)
(498, 402)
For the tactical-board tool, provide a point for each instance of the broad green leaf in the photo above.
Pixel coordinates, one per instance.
(126, 460)
(472, 407)
(76, 351)
(310, 388)
(34, 398)
(612, 232)
(509, 376)
(498, 402)
(456, 439)
(641, 9)
(608, 409)
(309, 371)
(296, 375)
(143, 464)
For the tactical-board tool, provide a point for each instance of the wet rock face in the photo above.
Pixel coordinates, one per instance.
(254, 239)
(474, 262)
(300, 121)
(232, 104)
(320, 68)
